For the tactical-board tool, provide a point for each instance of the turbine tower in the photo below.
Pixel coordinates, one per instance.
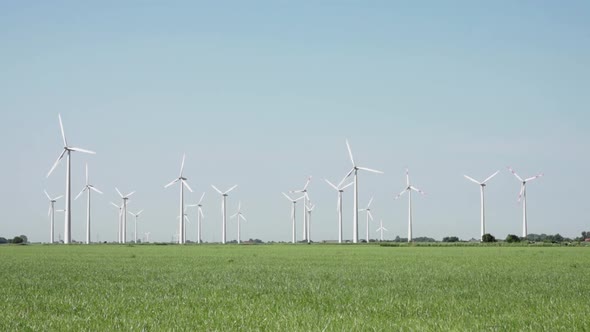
(120, 207)
(309, 210)
(223, 210)
(66, 152)
(381, 229)
(369, 215)
(294, 201)
(239, 216)
(136, 215)
(522, 196)
(51, 214)
(409, 189)
(200, 215)
(355, 216)
(123, 224)
(88, 187)
(305, 205)
(340, 189)
(183, 183)
(482, 186)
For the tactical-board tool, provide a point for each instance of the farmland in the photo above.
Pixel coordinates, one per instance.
(294, 288)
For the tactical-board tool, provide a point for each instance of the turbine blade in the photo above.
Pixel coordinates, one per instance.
(243, 218)
(346, 186)
(370, 170)
(533, 177)
(417, 190)
(58, 197)
(522, 186)
(129, 194)
(49, 212)
(81, 192)
(348, 174)
(491, 176)
(115, 205)
(230, 189)
(307, 182)
(219, 191)
(471, 179)
(513, 172)
(57, 162)
(233, 215)
(138, 213)
(82, 150)
(187, 186)
(300, 198)
(201, 200)
(401, 194)
(46, 194)
(370, 201)
(287, 196)
(182, 164)
(118, 192)
(370, 215)
(201, 212)
(86, 173)
(61, 127)
(350, 153)
(171, 183)
(331, 184)
(385, 229)
(98, 191)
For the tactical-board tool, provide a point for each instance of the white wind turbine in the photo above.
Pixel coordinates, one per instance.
(223, 210)
(305, 205)
(369, 215)
(294, 201)
(88, 187)
(120, 207)
(522, 195)
(340, 189)
(147, 236)
(123, 225)
(309, 210)
(51, 214)
(136, 215)
(66, 152)
(482, 186)
(239, 216)
(355, 216)
(183, 183)
(409, 189)
(186, 219)
(200, 215)
(381, 229)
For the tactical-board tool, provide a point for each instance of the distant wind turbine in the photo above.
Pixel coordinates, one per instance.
(309, 210)
(369, 215)
(381, 229)
(522, 196)
(51, 214)
(136, 215)
(294, 201)
(305, 205)
(482, 186)
(120, 207)
(88, 187)
(355, 216)
(147, 236)
(123, 225)
(66, 152)
(200, 215)
(239, 216)
(223, 210)
(183, 183)
(409, 189)
(340, 189)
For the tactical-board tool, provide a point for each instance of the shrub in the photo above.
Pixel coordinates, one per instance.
(511, 238)
(488, 238)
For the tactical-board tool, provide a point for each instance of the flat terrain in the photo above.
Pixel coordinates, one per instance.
(294, 288)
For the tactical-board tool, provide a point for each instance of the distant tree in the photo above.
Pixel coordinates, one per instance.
(450, 239)
(511, 238)
(25, 238)
(488, 238)
(17, 240)
(424, 239)
(3, 240)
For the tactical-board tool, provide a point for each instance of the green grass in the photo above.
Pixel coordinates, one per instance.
(294, 288)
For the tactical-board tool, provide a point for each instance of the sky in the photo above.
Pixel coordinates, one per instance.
(264, 94)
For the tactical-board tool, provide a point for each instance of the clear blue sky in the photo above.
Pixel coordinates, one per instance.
(263, 94)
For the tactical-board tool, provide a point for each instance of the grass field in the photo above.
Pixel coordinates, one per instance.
(294, 288)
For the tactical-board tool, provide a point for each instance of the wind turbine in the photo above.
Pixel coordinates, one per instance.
(409, 189)
(88, 187)
(482, 186)
(186, 219)
(309, 210)
(340, 188)
(183, 183)
(200, 215)
(66, 152)
(355, 216)
(51, 213)
(239, 216)
(381, 229)
(123, 225)
(305, 205)
(294, 201)
(120, 207)
(147, 236)
(522, 195)
(136, 215)
(369, 215)
(223, 210)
